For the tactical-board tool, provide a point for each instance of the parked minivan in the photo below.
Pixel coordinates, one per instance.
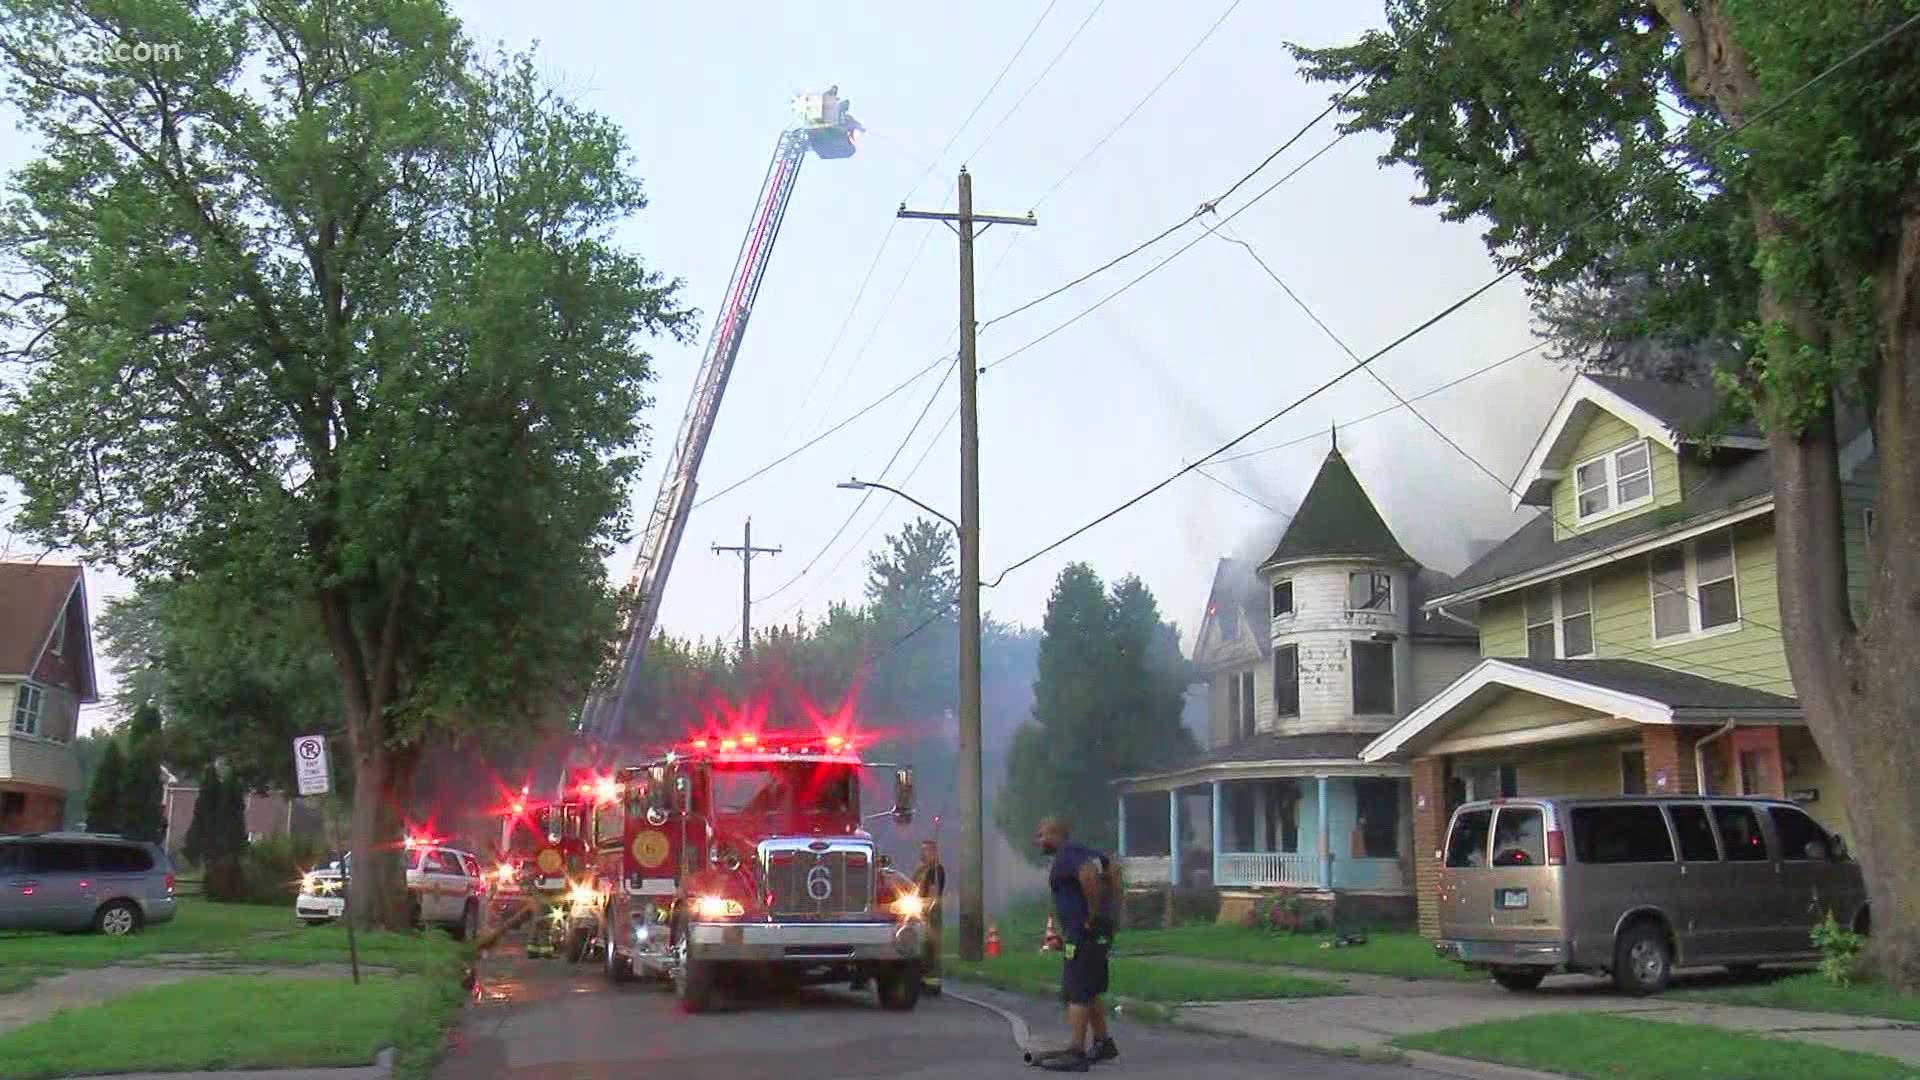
(79, 881)
(1636, 886)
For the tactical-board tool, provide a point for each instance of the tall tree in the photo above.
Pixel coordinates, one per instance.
(200, 842)
(1757, 160)
(142, 790)
(104, 798)
(327, 306)
(1107, 703)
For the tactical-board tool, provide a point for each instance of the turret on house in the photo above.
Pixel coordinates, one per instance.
(1309, 656)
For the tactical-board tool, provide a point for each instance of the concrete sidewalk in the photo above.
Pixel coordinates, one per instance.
(1380, 1009)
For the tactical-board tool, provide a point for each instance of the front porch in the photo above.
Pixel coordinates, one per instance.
(1318, 825)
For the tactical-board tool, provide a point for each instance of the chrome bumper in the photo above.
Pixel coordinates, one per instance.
(1515, 953)
(807, 942)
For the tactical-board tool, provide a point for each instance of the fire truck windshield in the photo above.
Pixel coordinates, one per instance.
(804, 787)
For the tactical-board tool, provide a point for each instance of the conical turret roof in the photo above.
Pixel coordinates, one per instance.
(1337, 519)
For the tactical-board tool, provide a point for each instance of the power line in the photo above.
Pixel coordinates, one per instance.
(1138, 105)
(1443, 314)
(1032, 86)
(975, 111)
(1257, 502)
(859, 294)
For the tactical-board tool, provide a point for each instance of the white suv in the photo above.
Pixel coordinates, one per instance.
(444, 885)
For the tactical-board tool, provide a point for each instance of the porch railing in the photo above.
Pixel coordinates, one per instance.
(1146, 869)
(1268, 868)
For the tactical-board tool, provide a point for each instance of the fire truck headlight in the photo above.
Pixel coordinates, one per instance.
(642, 934)
(909, 906)
(717, 907)
(309, 884)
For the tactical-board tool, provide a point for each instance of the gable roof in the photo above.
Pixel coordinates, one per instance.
(1237, 594)
(1743, 488)
(1337, 519)
(1429, 622)
(1667, 413)
(33, 597)
(1266, 748)
(1627, 691)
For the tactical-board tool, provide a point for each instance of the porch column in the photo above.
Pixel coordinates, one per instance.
(1326, 837)
(1122, 838)
(1430, 813)
(1218, 837)
(1668, 753)
(1173, 838)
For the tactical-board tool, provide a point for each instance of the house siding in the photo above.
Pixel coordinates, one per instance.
(1436, 666)
(1324, 631)
(1586, 769)
(63, 669)
(1812, 773)
(1752, 656)
(1518, 711)
(47, 759)
(1607, 432)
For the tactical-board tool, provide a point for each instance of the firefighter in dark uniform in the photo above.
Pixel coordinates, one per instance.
(930, 878)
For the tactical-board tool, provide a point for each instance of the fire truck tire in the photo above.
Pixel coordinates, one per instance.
(899, 986)
(577, 945)
(692, 979)
(619, 968)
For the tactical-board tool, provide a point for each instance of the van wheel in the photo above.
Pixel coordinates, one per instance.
(117, 919)
(1519, 980)
(1642, 960)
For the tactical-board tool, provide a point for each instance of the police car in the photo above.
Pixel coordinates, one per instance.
(445, 887)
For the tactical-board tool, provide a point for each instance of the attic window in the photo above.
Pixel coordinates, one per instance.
(1282, 598)
(58, 646)
(28, 706)
(1616, 481)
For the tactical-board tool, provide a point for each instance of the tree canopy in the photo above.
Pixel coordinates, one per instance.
(327, 307)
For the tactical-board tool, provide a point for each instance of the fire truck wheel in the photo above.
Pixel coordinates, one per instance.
(577, 945)
(692, 979)
(619, 969)
(899, 986)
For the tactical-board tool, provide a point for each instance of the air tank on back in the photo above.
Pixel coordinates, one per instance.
(828, 122)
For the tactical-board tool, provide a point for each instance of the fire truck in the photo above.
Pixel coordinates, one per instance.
(545, 853)
(729, 858)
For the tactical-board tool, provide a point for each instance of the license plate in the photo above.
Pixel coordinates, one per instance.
(1510, 899)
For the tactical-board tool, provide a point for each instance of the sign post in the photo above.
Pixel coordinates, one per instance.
(314, 777)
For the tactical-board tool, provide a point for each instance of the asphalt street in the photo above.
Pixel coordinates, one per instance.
(548, 1020)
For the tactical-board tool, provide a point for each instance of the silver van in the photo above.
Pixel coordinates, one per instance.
(1637, 886)
(79, 881)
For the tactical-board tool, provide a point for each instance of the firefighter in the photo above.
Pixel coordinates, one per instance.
(930, 878)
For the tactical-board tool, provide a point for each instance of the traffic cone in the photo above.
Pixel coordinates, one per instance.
(993, 942)
(1050, 941)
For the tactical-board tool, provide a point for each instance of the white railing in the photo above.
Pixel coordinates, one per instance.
(1267, 868)
(1146, 869)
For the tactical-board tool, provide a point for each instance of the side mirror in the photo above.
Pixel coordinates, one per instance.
(903, 796)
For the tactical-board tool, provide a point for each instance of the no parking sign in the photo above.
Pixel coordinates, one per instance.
(310, 764)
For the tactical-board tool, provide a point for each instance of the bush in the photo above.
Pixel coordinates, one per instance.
(1839, 951)
(270, 869)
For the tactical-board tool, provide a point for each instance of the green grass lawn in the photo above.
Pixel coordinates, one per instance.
(1606, 1047)
(1812, 993)
(1393, 953)
(1030, 971)
(238, 1021)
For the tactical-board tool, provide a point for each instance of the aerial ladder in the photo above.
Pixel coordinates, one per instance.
(826, 128)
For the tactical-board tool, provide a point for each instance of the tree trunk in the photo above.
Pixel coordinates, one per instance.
(379, 878)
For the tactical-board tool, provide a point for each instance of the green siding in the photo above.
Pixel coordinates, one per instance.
(1623, 620)
(1607, 432)
(1857, 494)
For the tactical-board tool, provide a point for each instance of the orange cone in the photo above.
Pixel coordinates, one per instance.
(1050, 941)
(993, 942)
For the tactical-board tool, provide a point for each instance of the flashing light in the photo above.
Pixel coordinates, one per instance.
(607, 790)
(728, 744)
(717, 907)
(748, 739)
(582, 894)
(519, 808)
(699, 744)
(835, 742)
(909, 905)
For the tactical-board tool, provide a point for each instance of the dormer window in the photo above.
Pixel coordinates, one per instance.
(1368, 591)
(1282, 598)
(1616, 481)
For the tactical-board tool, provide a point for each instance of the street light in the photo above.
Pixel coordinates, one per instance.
(852, 484)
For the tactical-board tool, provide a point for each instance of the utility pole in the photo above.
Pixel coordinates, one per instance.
(746, 551)
(973, 888)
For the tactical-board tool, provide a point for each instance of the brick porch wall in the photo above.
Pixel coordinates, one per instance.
(1669, 749)
(1429, 831)
(38, 810)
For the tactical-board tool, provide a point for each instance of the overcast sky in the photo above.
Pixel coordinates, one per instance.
(1100, 410)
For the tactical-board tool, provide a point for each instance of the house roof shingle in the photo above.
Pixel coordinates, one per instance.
(1688, 410)
(1533, 546)
(1265, 747)
(1679, 689)
(32, 595)
(1337, 518)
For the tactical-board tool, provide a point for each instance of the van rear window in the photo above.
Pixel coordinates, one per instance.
(1519, 837)
(1467, 846)
(1621, 834)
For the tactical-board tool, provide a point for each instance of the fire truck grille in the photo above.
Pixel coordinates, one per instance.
(804, 882)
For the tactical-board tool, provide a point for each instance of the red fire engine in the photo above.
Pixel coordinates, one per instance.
(544, 848)
(748, 855)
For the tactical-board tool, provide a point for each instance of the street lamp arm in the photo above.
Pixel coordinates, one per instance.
(856, 484)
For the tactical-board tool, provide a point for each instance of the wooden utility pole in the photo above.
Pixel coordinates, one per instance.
(972, 826)
(746, 551)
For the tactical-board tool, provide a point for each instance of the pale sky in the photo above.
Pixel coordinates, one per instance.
(1100, 410)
